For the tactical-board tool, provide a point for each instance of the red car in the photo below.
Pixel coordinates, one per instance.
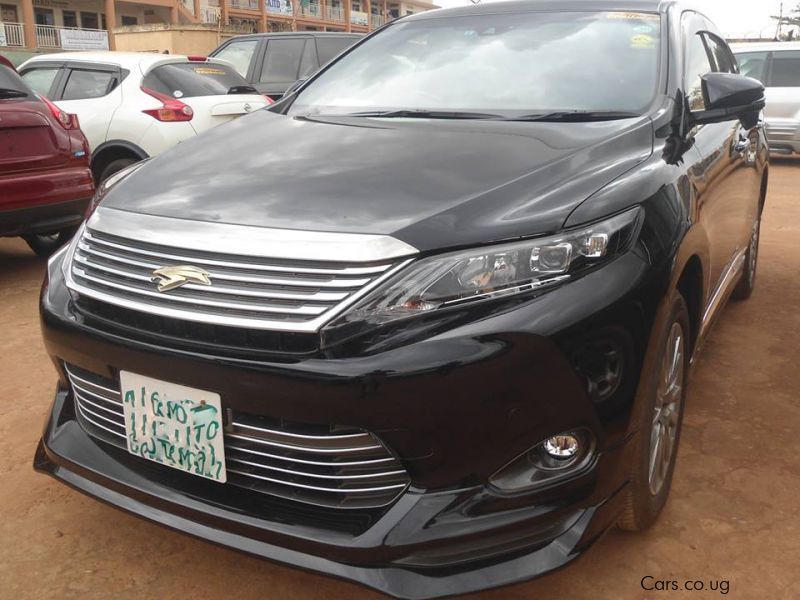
(45, 180)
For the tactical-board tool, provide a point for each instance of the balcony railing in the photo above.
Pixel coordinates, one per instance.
(335, 14)
(12, 35)
(71, 38)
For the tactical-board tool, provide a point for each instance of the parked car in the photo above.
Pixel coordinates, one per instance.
(45, 181)
(777, 65)
(272, 62)
(441, 340)
(136, 105)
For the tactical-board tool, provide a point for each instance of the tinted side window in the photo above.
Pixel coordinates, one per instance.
(752, 64)
(187, 80)
(785, 69)
(309, 62)
(697, 65)
(83, 84)
(239, 54)
(282, 61)
(41, 80)
(723, 60)
(328, 47)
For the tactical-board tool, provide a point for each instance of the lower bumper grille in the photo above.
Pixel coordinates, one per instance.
(327, 466)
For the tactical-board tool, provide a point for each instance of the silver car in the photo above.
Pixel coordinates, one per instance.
(777, 65)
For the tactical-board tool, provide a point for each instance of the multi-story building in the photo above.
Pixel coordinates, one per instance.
(89, 24)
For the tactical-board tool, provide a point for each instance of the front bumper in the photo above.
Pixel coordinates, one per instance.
(454, 408)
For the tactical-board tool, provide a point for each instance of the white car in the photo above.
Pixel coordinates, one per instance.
(132, 106)
(777, 66)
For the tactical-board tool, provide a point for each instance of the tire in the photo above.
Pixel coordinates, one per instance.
(113, 167)
(44, 244)
(649, 486)
(744, 289)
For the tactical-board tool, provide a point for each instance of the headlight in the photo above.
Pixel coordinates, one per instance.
(110, 183)
(481, 274)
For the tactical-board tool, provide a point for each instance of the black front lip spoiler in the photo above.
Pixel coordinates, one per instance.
(392, 580)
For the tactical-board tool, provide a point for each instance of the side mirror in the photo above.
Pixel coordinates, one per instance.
(730, 95)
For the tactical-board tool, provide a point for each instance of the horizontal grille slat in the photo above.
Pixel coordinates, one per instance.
(326, 466)
(244, 292)
(308, 295)
(345, 271)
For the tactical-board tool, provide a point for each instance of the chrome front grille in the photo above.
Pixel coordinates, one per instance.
(326, 466)
(244, 291)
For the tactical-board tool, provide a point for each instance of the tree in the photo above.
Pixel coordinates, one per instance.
(791, 21)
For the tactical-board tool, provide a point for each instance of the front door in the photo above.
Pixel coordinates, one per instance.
(726, 177)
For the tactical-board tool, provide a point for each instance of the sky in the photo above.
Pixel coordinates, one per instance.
(736, 18)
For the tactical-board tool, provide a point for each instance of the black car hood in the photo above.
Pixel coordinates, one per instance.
(430, 183)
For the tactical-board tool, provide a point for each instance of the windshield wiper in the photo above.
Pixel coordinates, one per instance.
(6, 93)
(424, 114)
(576, 116)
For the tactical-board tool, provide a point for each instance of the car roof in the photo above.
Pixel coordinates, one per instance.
(296, 33)
(549, 5)
(144, 60)
(764, 46)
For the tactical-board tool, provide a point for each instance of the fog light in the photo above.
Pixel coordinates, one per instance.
(563, 446)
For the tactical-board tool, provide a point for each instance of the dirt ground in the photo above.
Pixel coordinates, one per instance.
(732, 516)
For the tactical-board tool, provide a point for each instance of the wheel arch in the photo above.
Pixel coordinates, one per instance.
(690, 286)
(112, 150)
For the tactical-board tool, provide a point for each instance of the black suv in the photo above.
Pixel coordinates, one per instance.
(441, 340)
(272, 62)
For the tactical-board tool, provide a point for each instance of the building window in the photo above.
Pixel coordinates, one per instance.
(89, 20)
(127, 21)
(8, 13)
(44, 16)
(70, 18)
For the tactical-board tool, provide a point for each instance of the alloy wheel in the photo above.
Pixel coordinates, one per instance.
(666, 414)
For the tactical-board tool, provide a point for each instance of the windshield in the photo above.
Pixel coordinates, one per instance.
(507, 64)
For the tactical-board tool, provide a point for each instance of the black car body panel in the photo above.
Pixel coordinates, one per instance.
(475, 165)
(455, 395)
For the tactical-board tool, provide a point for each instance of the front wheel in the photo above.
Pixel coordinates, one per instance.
(744, 289)
(660, 417)
(44, 244)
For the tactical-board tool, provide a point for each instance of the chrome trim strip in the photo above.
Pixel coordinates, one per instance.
(111, 411)
(302, 448)
(351, 463)
(333, 296)
(727, 279)
(313, 475)
(332, 436)
(98, 415)
(96, 424)
(346, 272)
(86, 381)
(309, 326)
(300, 310)
(320, 489)
(247, 240)
(83, 390)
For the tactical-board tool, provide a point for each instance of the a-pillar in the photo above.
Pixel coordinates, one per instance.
(111, 22)
(29, 24)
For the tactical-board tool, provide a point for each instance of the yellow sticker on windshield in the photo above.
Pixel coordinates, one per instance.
(209, 71)
(633, 16)
(643, 41)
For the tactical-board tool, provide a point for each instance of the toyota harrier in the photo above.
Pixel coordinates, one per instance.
(441, 340)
